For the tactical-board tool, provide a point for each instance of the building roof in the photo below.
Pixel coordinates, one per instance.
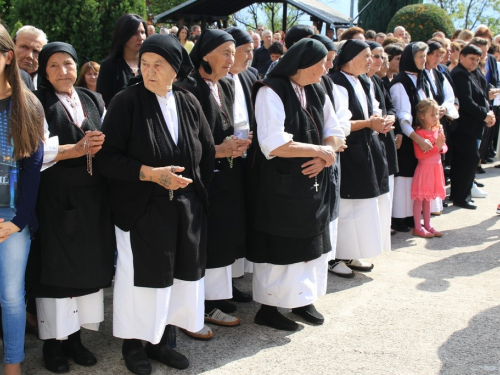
(220, 9)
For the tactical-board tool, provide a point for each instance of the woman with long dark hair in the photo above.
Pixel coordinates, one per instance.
(21, 136)
(122, 63)
(183, 36)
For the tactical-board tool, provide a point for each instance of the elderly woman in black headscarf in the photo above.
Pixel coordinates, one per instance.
(364, 172)
(389, 113)
(213, 57)
(408, 88)
(297, 135)
(71, 258)
(159, 157)
(343, 114)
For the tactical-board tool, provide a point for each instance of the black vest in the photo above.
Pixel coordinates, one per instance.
(438, 93)
(62, 125)
(327, 84)
(387, 139)
(364, 171)
(289, 204)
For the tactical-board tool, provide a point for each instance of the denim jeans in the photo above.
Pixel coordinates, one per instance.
(13, 257)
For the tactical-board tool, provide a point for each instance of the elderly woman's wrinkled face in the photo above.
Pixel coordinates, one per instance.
(61, 72)
(361, 63)
(317, 71)
(157, 73)
(378, 59)
(221, 59)
(433, 59)
(420, 57)
(329, 59)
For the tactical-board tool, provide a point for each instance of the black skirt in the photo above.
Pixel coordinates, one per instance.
(72, 253)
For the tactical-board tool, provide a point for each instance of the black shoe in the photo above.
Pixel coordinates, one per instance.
(239, 296)
(447, 181)
(480, 170)
(466, 205)
(73, 348)
(225, 306)
(497, 166)
(397, 225)
(309, 313)
(271, 317)
(488, 160)
(445, 204)
(137, 361)
(165, 354)
(478, 184)
(54, 358)
(409, 222)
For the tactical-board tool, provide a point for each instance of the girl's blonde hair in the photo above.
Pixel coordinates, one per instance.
(422, 108)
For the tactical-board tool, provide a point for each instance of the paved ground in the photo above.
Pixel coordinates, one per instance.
(429, 307)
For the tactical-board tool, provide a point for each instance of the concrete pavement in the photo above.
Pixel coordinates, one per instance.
(431, 306)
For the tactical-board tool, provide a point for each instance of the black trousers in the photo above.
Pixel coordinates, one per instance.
(463, 166)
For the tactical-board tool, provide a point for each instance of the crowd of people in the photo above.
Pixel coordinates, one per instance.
(191, 157)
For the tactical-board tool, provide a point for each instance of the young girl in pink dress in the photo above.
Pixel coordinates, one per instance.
(428, 181)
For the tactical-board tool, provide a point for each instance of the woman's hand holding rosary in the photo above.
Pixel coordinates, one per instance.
(92, 141)
(232, 147)
(166, 177)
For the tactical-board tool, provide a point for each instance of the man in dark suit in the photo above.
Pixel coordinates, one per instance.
(472, 92)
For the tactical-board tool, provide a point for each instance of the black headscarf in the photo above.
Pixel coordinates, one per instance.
(240, 36)
(407, 64)
(327, 42)
(48, 50)
(373, 45)
(169, 47)
(350, 49)
(209, 40)
(433, 46)
(302, 55)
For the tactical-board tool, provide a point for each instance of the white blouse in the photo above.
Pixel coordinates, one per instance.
(241, 121)
(402, 104)
(449, 95)
(360, 93)
(169, 111)
(341, 106)
(270, 116)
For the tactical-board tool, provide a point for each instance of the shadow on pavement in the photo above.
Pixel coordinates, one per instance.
(467, 236)
(338, 284)
(458, 265)
(474, 349)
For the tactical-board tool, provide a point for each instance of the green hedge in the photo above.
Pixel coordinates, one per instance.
(422, 20)
(379, 13)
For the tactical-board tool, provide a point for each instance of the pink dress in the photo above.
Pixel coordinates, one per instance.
(428, 181)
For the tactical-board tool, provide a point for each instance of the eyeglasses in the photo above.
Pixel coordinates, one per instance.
(260, 29)
(377, 57)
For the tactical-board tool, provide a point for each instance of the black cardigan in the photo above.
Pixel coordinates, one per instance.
(114, 75)
(471, 91)
(129, 126)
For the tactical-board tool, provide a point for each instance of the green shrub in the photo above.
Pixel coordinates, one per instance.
(379, 13)
(422, 20)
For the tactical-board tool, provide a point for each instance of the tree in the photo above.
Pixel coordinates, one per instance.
(268, 14)
(155, 7)
(87, 24)
(468, 14)
(380, 12)
(422, 20)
